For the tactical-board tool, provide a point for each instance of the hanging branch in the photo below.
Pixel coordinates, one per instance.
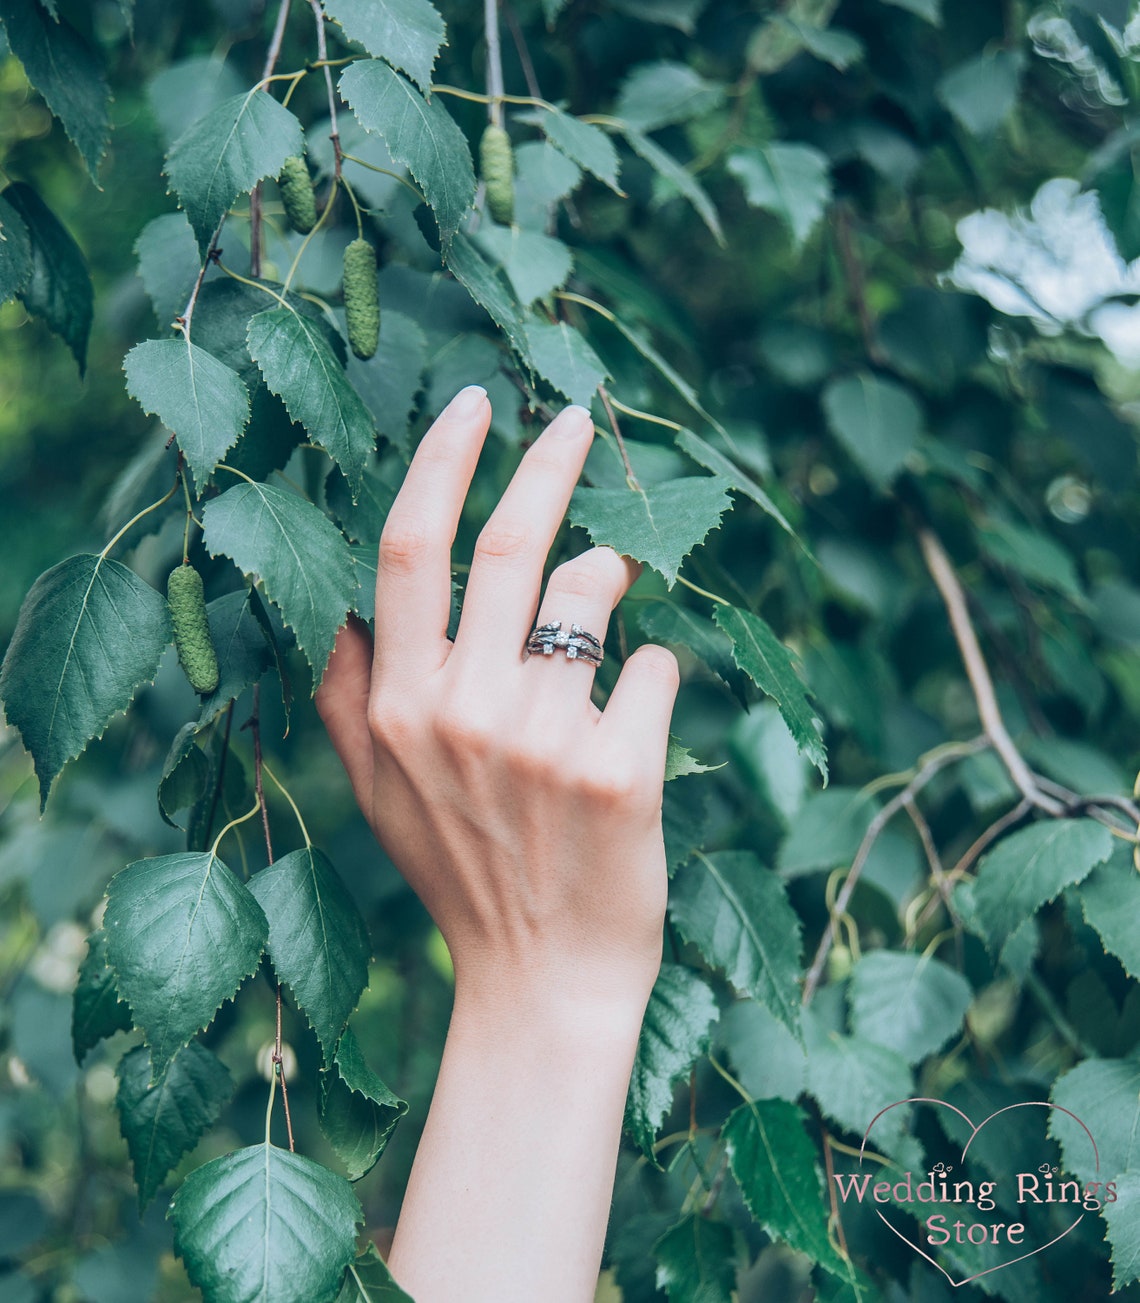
(323, 54)
(495, 89)
(271, 57)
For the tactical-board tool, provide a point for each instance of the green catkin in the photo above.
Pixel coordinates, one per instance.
(187, 600)
(361, 298)
(497, 164)
(297, 195)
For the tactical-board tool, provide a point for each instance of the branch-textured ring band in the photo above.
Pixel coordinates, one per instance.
(577, 644)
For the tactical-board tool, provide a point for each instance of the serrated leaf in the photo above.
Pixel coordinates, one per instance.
(262, 1225)
(368, 1280)
(405, 33)
(165, 1118)
(244, 652)
(1029, 868)
(89, 633)
(680, 761)
(769, 1061)
(674, 1033)
(792, 181)
(561, 356)
(982, 92)
(185, 774)
(15, 252)
(168, 264)
(357, 1110)
(59, 288)
(676, 178)
(1124, 1230)
(774, 1164)
(296, 552)
(712, 459)
(736, 912)
(192, 393)
(299, 365)
(389, 381)
(318, 942)
(876, 420)
(655, 95)
(581, 142)
(480, 280)
(910, 1003)
(536, 264)
(96, 1010)
(695, 1262)
(362, 520)
(679, 626)
(543, 176)
(420, 134)
(184, 92)
(183, 933)
(659, 525)
(1105, 1095)
(1110, 898)
(226, 153)
(768, 663)
(66, 71)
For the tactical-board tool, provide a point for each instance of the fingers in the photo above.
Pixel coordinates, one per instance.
(413, 574)
(342, 703)
(506, 571)
(641, 704)
(584, 591)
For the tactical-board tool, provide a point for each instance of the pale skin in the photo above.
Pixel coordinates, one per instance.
(528, 821)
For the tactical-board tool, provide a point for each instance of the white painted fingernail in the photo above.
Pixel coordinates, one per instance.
(467, 401)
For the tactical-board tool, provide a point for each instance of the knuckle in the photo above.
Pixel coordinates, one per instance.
(503, 540)
(390, 728)
(463, 731)
(403, 545)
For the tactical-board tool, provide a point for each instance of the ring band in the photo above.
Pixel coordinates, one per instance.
(577, 644)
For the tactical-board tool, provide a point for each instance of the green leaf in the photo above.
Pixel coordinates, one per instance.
(1034, 556)
(910, 1003)
(535, 264)
(480, 280)
(389, 381)
(1105, 1095)
(299, 365)
(165, 1118)
(226, 153)
(183, 933)
(362, 520)
(561, 355)
(96, 1010)
(59, 290)
(185, 774)
(704, 454)
(264, 1224)
(982, 92)
(368, 1280)
(192, 393)
(66, 71)
(1124, 1230)
(184, 92)
(770, 1062)
(654, 95)
(768, 663)
(774, 1164)
(695, 1262)
(420, 134)
(581, 142)
(318, 942)
(931, 10)
(405, 33)
(680, 14)
(358, 1112)
(680, 762)
(168, 264)
(679, 626)
(659, 525)
(736, 912)
(244, 653)
(667, 372)
(674, 1033)
(543, 176)
(89, 633)
(15, 252)
(877, 421)
(296, 552)
(792, 181)
(1110, 898)
(676, 178)
(1029, 868)
(826, 831)
(831, 44)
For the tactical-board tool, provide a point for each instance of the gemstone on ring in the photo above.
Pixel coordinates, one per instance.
(578, 644)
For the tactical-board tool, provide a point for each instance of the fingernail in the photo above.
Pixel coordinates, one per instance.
(574, 420)
(467, 401)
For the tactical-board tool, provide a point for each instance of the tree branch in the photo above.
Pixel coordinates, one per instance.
(494, 62)
(271, 57)
(323, 54)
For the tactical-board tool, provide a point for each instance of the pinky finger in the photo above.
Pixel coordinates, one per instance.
(641, 704)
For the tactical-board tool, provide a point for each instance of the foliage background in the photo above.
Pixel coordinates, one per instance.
(836, 147)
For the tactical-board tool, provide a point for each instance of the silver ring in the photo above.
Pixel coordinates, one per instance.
(577, 644)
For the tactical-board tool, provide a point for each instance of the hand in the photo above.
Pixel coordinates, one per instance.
(526, 819)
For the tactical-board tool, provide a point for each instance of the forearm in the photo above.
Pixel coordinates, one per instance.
(510, 1192)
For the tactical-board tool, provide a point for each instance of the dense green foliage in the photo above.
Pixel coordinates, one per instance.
(863, 364)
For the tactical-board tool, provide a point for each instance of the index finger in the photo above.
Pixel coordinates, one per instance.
(413, 572)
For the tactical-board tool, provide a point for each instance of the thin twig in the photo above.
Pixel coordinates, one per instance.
(937, 871)
(856, 283)
(523, 52)
(495, 89)
(630, 477)
(954, 597)
(322, 51)
(930, 766)
(183, 322)
(271, 57)
(829, 1164)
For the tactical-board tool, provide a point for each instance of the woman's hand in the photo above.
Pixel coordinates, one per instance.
(528, 821)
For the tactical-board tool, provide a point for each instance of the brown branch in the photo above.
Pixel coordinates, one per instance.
(934, 762)
(954, 598)
(323, 54)
(937, 872)
(631, 478)
(829, 1164)
(271, 57)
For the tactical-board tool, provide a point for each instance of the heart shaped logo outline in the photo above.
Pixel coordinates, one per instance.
(1029, 1103)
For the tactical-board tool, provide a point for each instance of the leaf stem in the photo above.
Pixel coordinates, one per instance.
(257, 285)
(233, 823)
(296, 812)
(134, 520)
(630, 477)
(639, 415)
(703, 592)
(385, 171)
(320, 222)
(569, 297)
(475, 97)
(724, 1072)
